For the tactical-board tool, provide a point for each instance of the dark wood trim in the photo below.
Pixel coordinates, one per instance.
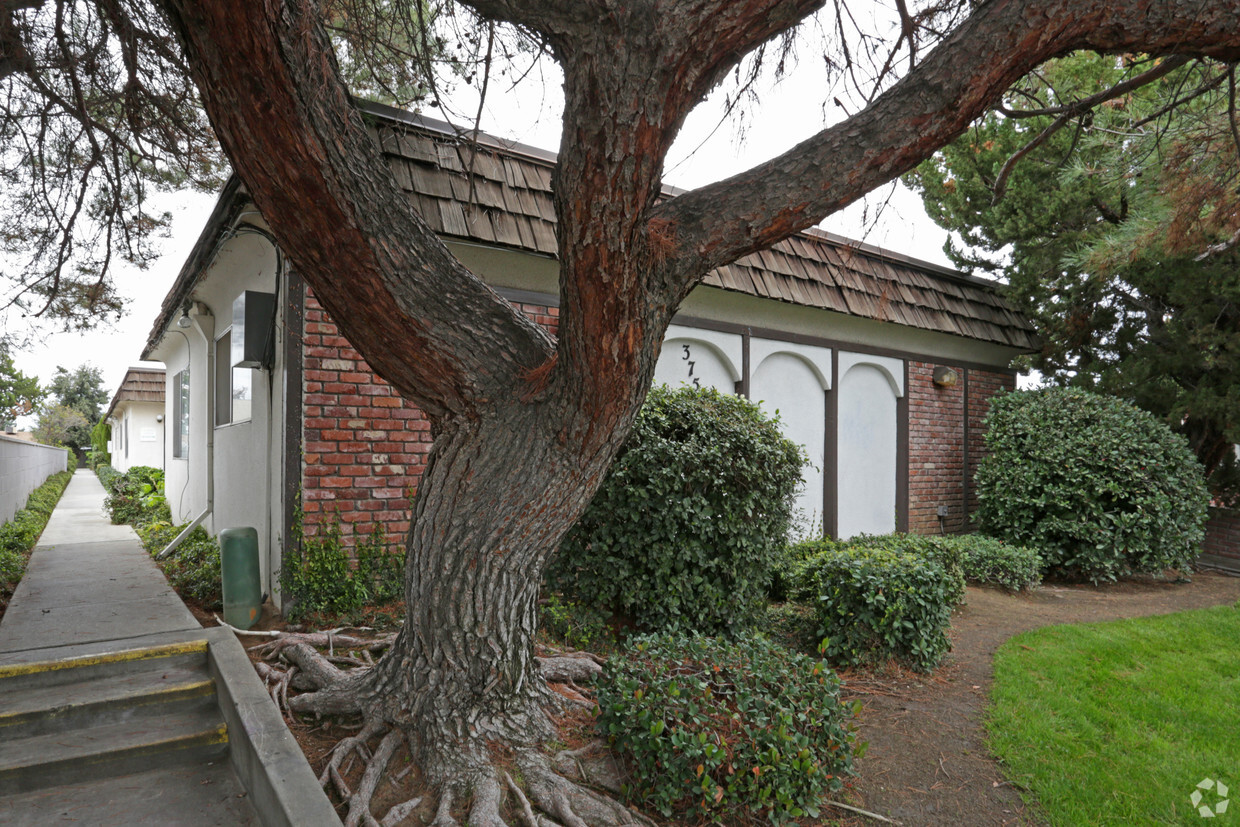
(294, 410)
(746, 367)
(964, 459)
(831, 459)
(902, 453)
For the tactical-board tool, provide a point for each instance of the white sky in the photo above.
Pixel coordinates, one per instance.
(705, 152)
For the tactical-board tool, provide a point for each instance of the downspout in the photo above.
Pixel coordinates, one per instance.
(196, 318)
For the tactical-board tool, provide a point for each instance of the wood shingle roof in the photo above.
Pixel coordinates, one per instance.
(491, 193)
(139, 385)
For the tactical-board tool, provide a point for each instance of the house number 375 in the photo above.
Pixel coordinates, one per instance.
(688, 357)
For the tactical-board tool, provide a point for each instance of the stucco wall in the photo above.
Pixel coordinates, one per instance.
(140, 426)
(24, 466)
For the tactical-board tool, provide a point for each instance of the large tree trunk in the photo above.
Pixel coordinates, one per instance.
(496, 497)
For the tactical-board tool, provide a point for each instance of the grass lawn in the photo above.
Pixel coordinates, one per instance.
(1116, 723)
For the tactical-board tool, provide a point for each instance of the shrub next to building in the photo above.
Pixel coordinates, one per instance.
(1099, 487)
(693, 512)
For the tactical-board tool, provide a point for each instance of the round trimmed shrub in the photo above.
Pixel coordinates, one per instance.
(710, 728)
(696, 508)
(1097, 486)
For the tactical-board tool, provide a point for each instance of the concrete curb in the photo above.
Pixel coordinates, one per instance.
(264, 754)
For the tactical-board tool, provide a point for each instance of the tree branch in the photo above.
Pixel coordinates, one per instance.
(953, 85)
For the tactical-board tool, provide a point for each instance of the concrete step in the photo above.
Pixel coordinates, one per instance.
(116, 748)
(41, 710)
(102, 715)
(18, 677)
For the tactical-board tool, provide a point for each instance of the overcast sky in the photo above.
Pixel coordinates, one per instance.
(706, 151)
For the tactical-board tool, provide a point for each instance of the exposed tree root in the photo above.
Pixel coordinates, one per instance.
(543, 798)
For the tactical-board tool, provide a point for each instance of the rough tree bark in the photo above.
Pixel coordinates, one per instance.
(525, 428)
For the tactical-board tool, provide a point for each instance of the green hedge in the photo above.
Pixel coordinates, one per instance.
(19, 535)
(708, 729)
(991, 561)
(879, 602)
(136, 496)
(193, 568)
(684, 530)
(1097, 486)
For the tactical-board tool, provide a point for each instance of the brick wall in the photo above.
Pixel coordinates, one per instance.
(936, 456)
(364, 447)
(1223, 537)
(982, 386)
(935, 451)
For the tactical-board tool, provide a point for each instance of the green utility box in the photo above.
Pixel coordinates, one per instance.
(243, 589)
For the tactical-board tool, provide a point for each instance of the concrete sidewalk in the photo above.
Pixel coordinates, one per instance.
(88, 582)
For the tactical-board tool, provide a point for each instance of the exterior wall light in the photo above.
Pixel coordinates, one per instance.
(946, 377)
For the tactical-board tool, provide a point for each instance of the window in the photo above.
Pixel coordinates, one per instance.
(234, 386)
(125, 436)
(180, 413)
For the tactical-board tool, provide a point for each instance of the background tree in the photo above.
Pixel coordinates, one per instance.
(19, 394)
(1115, 228)
(58, 424)
(461, 682)
(81, 390)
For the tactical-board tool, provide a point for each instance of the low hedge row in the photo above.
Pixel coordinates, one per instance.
(891, 596)
(19, 535)
(193, 568)
(876, 603)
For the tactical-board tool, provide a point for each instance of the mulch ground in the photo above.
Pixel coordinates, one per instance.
(927, 762)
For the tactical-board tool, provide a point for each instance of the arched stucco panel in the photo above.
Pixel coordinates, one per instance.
(697, 361)
(790, 384)
(867, 450)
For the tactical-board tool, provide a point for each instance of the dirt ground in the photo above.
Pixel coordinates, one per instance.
(927, 762)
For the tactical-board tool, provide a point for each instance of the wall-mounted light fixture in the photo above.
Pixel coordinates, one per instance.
(184, 322)
(159, 417)
(946, 377)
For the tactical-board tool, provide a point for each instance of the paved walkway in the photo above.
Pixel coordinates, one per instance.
(88, 582)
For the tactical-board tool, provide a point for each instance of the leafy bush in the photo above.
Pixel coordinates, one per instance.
(1098, 487)
(709, 728)
(380, 566)
(883, 601)
(318, 575)
(576, 625)
(19, 535)
(194, 567)
(684, 530)
(137, 496)
(107, 475)
(989, 560)
(97, 454)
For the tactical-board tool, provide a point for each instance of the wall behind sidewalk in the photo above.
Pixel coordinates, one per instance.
(23, 468)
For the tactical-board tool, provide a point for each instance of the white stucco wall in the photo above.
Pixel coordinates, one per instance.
(701, 358)
(866, 488)
(141, 426)
(244, 486)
